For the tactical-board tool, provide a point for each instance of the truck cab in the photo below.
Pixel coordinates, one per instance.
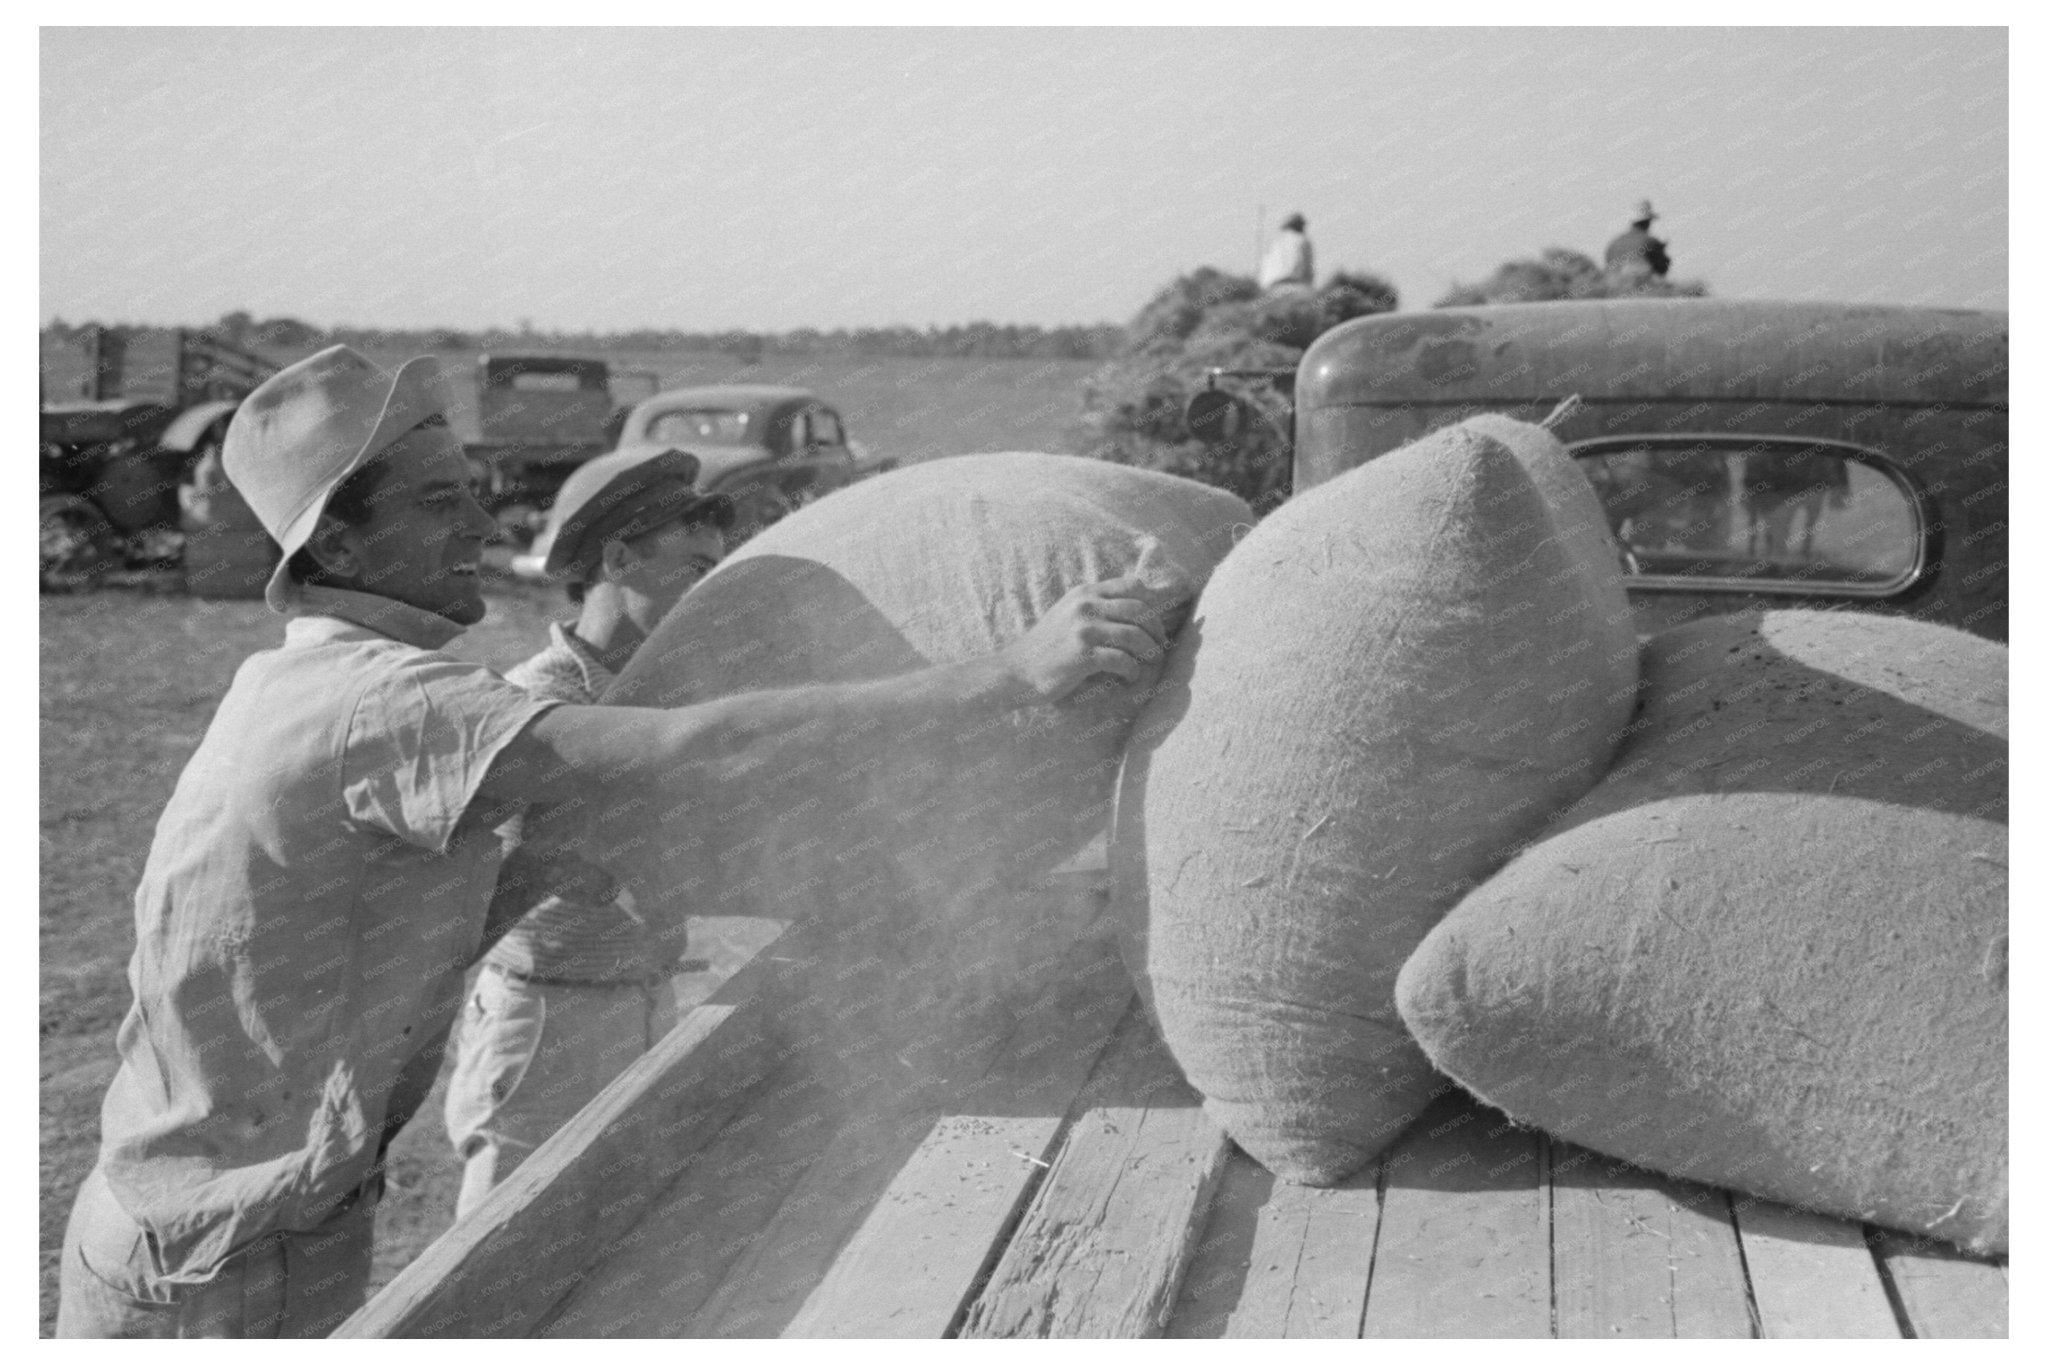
(1748, 453)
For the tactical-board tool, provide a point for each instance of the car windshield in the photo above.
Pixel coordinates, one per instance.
(711, 426)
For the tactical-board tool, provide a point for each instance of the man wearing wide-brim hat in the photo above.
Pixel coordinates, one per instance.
(1635, 254)
(575, 991)
(325, 869)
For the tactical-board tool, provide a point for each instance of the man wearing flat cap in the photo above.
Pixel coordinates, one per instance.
(328, 863)
(576, 991)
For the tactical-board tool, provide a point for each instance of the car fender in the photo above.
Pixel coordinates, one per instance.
(189, 427)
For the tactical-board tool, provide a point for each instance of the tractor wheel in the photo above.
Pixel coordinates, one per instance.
(78, 543)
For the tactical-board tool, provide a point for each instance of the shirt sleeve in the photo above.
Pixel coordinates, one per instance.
(421, 740)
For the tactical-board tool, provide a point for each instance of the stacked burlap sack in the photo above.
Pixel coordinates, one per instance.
(909, 849)
(1768, 951)
(1752, 931)
(1755, 931)
(1397, 676)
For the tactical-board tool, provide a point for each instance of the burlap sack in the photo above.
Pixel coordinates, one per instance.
(1768, 951)
(1397, 676)
(894, 836)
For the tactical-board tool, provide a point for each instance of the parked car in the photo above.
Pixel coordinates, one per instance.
(771, 447)
(539, 417)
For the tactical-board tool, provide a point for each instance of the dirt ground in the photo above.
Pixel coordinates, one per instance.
(129, 681)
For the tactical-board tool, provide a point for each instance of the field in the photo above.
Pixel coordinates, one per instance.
(129, 681)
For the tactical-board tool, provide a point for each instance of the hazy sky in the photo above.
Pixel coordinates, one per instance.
(769, 179)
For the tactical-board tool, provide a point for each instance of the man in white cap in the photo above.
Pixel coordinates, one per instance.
(326, 867)
(575, 991)
(1290, 262)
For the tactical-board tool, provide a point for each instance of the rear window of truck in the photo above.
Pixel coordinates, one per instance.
(1759, 514)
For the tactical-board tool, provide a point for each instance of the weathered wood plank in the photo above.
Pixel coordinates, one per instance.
(1464, 1239)
(763, 1290)
(918, 1058)
(1637, 1255)
(653, 1281)
(908, 1270)
(500, 1270)
(1945, 1293)
(1102, 1249)
(1221, 1260)
(1810, 1275)
(1280, 1260)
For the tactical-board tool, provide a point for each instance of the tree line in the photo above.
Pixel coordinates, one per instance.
(975, 340)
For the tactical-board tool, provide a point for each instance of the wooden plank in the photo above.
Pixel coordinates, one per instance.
(762, 1291)
(1280, 1260)
(653, 1281)
(1102, 1249)
(1810, 1275)
(908, 1270)
(500, 1270)
(1464, 1240)
(1634, 1254)
(893, 1097)
(1944, 1293)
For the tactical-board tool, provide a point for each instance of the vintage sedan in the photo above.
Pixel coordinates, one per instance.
(770, 447)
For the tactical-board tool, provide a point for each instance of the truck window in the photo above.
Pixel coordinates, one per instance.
(1758, 514)
(714, 426)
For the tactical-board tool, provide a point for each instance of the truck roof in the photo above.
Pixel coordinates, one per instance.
(1669, 350)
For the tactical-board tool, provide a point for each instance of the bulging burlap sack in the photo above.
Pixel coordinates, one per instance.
(1768, 951)
(895, 836)
(1396, 677)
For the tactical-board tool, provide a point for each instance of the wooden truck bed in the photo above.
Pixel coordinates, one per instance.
(1072, 1187)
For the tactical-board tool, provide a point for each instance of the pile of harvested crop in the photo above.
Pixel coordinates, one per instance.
(1398, 676)
(1768, 951)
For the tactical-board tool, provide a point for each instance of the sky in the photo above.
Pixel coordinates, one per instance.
(768, 179)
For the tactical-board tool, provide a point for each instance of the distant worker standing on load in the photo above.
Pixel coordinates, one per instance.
(1635, 254)
(574, 992)
(1290, 261)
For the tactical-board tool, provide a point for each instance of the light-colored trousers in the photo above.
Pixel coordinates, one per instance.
(285, 1284)
(529, 1055)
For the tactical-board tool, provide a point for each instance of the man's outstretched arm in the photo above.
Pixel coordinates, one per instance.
(1116, 627)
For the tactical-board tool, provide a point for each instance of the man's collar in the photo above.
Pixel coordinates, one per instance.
(385, 615)
(596, 676)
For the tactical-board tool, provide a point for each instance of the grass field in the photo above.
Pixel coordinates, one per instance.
(129, 681)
